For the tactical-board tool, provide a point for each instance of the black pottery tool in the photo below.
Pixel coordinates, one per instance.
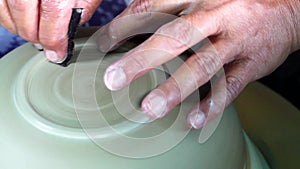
(73, 25)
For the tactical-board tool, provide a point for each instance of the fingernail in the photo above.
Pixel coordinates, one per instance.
(196, 119)
(53, 56)
(115, 78)
(155, 105)
(38, 46)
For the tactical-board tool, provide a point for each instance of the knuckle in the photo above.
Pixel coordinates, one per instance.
(140, 63)
(180, 31)
(53, 9)
(140, 6)
(234, 86)
(30, 36)
(51, 42)
(205, 65)
(112, 28)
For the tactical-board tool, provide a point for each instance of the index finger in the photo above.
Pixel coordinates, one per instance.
(53, 27)
(167, 43)
(54, 21)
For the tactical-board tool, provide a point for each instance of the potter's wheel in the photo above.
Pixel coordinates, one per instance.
(59, 117)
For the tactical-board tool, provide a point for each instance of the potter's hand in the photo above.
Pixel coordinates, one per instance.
(44, 22)
(249, 39)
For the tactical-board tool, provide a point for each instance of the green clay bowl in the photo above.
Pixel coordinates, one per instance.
(64, 117)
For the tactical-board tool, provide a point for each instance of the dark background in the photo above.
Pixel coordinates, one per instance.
(286, 79)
